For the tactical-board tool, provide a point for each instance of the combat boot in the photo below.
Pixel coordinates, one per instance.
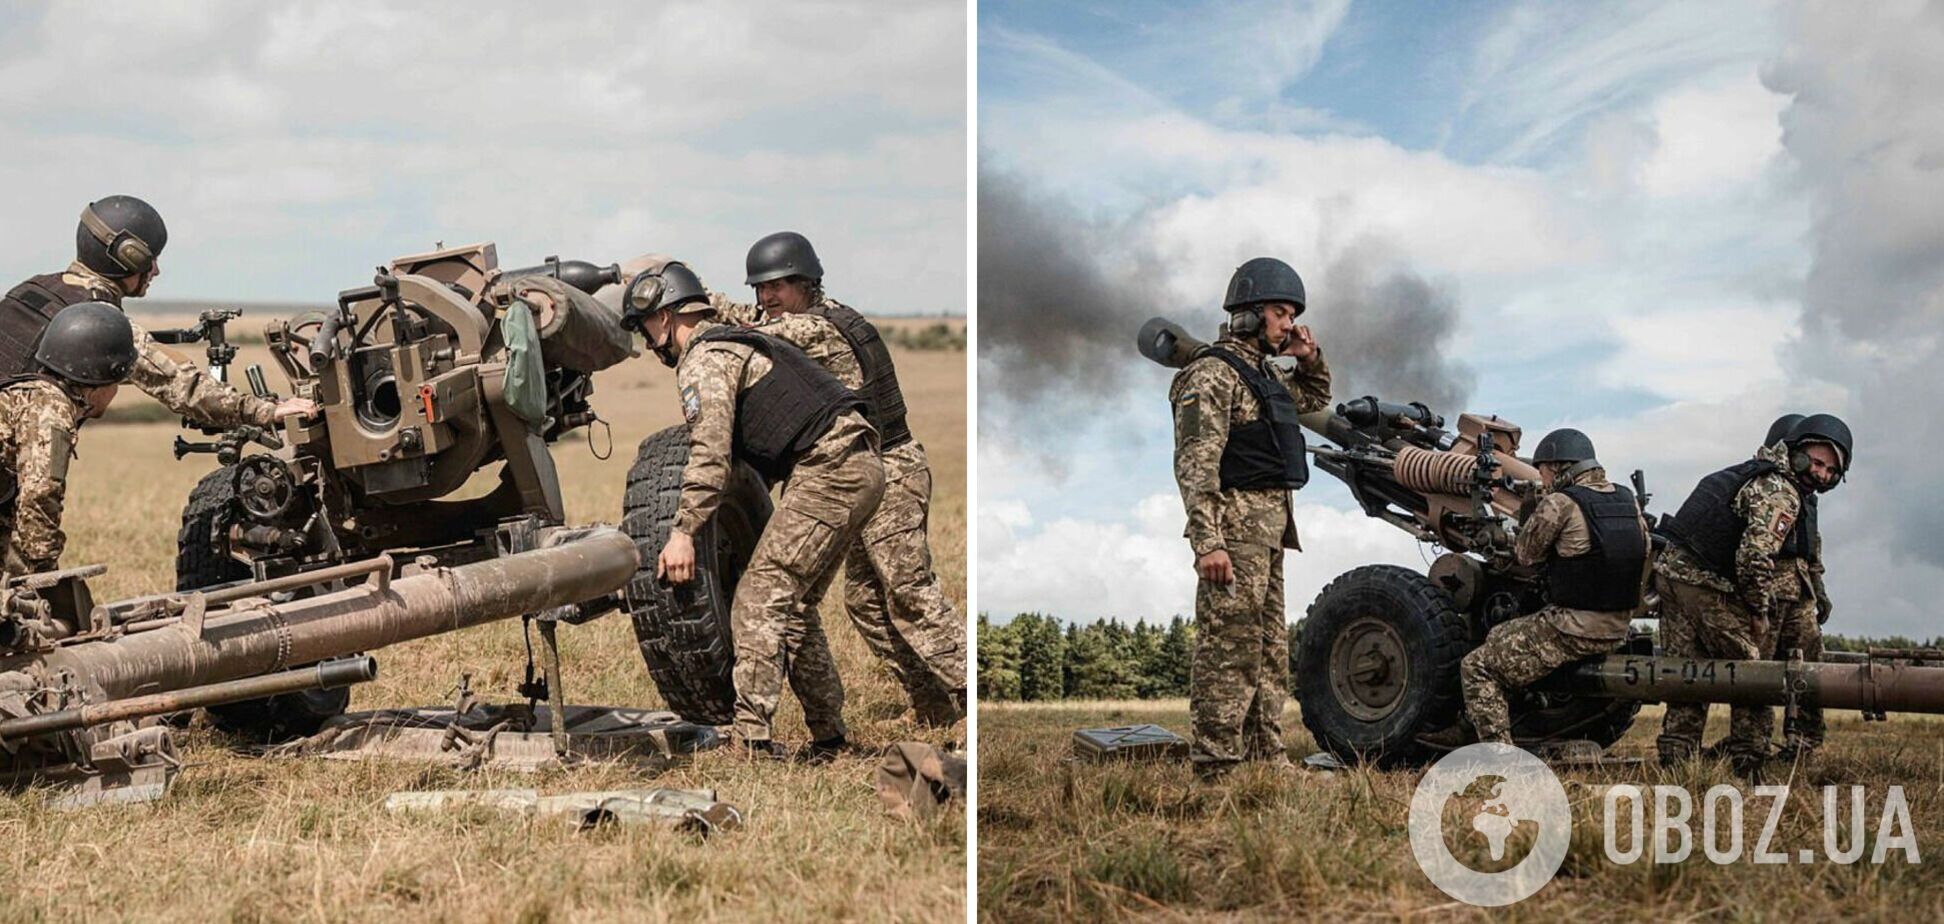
(825, 751)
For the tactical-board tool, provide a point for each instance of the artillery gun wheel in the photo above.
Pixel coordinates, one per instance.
(685, 634)
(203, 561)
(1377, 664)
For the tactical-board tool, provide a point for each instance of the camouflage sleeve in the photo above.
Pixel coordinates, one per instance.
(1202, 397)
(821, 341)
(187, 390)
(1313, 384)
(706, 382)
(1770, 507)
(41, 467)
(728, 311)
(1541, 530)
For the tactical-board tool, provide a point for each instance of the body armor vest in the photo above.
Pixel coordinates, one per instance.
(1802, 539)
(1707, 524)
(24, 314)
(780, 417)
(883, 401)
(1607, 578)
(1267, 452)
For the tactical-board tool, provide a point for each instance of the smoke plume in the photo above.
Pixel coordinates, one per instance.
(1061, 295)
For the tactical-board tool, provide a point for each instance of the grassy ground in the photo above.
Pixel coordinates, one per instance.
(249, 839)
(1060, 840)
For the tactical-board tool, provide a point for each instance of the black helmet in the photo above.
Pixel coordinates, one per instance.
(1264, 279)
(88, 343)
(1779, 430)
(120, 236)
(780, 256)
(1563, 445)
(672, 286)
(1825, 428)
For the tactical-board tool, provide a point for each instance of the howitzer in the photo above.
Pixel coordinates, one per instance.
(1378, 651)
(77, 678)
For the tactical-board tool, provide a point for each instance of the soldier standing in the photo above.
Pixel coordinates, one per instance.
(890, 589)
(1589, 537)
(1800, 596)
(1722, 578)
(1238, 453)
(750, 396)
(118, 247)
(87, 350)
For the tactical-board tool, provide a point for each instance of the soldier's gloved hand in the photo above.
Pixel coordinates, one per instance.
(1823, 608)
(295, 407)
(1215, 567)
(677, 562)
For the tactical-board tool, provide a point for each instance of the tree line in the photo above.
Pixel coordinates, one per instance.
(1040, 657)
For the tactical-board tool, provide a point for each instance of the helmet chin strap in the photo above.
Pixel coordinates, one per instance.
(667, 350)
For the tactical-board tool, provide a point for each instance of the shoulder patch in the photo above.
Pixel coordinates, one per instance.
(60, 449)
(1188, 399)
(691, 403)
(1780, 528)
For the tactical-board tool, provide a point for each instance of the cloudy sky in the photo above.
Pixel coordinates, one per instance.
(1663, 223)
(294, 146)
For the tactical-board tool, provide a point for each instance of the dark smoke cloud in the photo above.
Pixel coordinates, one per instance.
(1867, 136)
(1060, 297)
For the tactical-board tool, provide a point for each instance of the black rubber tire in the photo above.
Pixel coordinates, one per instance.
(202, 560)
(684, 632)
(1434, 637)
(1563, 718)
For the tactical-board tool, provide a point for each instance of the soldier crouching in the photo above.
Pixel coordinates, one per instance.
(1588, 535)
(753, 397)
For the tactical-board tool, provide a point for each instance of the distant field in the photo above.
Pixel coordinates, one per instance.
(253, 840)
(1060, 840)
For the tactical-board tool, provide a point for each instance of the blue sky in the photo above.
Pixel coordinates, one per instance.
(1628, 209)
(292, 146)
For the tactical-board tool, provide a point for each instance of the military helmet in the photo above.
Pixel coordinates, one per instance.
(1824, 428)
(780, 256)
(88, 343)
(1264, 279)
(120, 236)
(1563, 445)
(1779, 430)
(674, 287)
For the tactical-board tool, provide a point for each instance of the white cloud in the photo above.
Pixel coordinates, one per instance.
(1713, 136)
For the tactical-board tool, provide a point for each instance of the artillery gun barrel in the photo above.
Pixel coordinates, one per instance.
(1873, 686)
(325, 676)
(256, 636)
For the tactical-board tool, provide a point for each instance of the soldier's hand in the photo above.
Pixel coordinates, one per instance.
(1823, 608)
(677, 562)
(1301, 343)
(1215, 567)
(295, 407)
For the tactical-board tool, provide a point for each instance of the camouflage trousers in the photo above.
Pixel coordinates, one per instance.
(1701, 622)
(894, 599)
(1515, 655)
(779, 637)
(1798, 628)
(1241, 665)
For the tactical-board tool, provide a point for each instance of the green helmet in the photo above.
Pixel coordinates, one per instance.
(88, 343)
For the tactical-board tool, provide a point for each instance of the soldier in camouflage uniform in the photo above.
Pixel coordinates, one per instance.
(1238, 454)
(87, 350)
(752, 397)
(117, 250)
(890, 589)
(1722, 580)
(1592, 543)
(1803, 604)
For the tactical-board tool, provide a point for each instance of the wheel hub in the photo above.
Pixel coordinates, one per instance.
(1368, 669)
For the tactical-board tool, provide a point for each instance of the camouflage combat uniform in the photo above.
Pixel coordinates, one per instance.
(1240, 673)
(38, 423)
(890, 590)
(1705, 615)
(1520, 651)
(167, 376)
(823, 505)
(1802, 604)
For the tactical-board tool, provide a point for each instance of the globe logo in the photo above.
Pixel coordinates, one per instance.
(1505, 797)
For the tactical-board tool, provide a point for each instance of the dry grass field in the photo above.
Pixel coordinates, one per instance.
(1060, 840)
(249, 839)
